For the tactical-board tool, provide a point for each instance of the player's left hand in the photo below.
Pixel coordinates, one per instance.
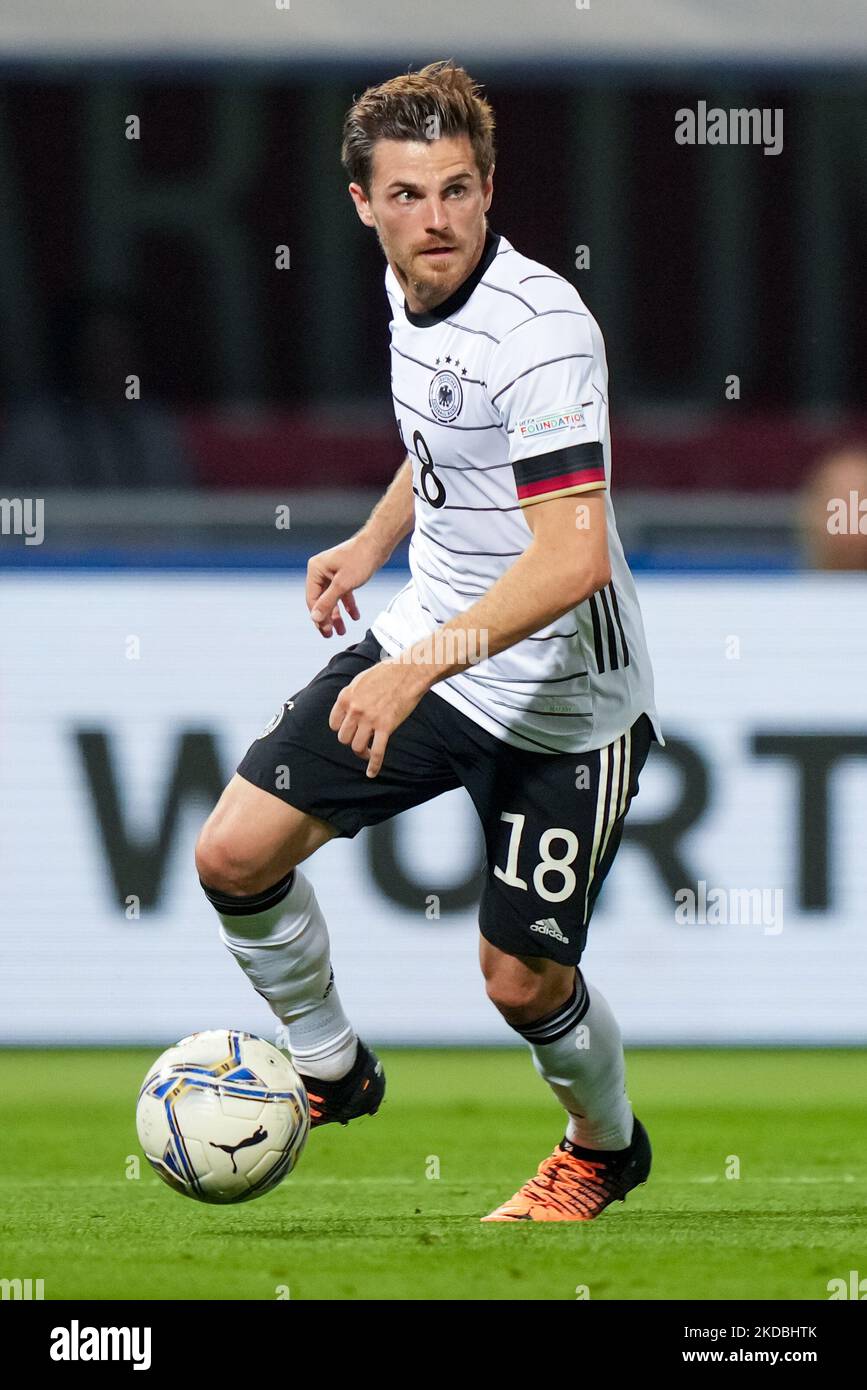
(372, 706)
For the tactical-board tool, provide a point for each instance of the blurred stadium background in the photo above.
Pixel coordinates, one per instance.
(154, 159)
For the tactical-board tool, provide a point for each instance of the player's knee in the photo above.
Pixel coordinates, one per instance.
(518, 999)
(222, 864)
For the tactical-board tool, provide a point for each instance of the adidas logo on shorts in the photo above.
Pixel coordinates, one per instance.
(548, 927)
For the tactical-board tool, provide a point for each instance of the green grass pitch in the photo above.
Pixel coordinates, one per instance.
(360, 1218)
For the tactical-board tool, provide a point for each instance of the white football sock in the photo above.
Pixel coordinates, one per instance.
(280, 940)
(578, 1050)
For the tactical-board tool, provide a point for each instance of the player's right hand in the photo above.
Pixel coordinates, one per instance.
(332, 576)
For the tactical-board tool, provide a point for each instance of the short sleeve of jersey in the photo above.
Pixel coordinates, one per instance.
(539, 381)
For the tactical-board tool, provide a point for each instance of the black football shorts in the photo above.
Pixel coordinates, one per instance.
(552, 822)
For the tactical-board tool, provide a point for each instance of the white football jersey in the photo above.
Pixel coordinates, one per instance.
(501, 399)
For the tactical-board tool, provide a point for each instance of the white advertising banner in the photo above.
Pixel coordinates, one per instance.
(299, 31)
(735, 911)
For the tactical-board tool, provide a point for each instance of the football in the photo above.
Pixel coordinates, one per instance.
(222, 1116)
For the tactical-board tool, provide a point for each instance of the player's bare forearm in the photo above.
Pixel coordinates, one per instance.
(529, 596)
(556, 572)
(334, 575)
(393, 516)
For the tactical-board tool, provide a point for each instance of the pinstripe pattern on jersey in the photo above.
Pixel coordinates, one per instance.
(522, 733)
(537, 367)
(522, 350)
(548, 713)
(430, 367)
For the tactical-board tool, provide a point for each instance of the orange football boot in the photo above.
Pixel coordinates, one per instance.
(569, 1186)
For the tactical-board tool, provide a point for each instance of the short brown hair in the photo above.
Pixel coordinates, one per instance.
(401, 109)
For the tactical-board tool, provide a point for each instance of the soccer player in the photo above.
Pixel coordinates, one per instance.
(513, 662)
